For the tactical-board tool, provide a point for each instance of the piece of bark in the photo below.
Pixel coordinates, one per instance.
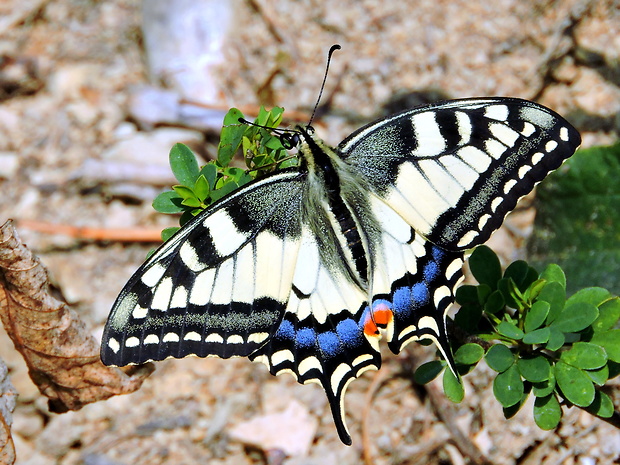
(62, 357)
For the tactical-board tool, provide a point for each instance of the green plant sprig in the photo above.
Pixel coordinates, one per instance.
(199, 187)
(561, 351)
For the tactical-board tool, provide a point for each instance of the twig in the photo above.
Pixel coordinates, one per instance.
(378, 379)
(96, 234)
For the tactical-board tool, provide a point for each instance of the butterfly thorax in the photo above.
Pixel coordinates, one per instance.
(327, 211)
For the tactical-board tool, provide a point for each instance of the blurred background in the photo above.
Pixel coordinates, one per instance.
(94, 94)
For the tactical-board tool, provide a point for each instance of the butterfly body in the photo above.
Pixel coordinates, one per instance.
(301, 269)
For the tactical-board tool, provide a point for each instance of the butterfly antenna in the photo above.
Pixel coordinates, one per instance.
(332, 49)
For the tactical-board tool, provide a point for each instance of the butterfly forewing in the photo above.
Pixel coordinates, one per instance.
(219, 286)
(453, 170)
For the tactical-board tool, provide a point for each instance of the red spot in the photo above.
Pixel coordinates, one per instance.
(381, 317)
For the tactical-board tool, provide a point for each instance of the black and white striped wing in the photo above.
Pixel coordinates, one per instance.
(445, 175)
(220, 286)
(453, 170)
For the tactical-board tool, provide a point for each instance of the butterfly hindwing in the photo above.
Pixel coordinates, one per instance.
(217, 287)
(453, 170)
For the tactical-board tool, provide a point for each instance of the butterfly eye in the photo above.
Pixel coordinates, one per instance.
(310, 129)
(289, 140)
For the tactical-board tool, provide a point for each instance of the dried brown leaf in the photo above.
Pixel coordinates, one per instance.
(62, 356)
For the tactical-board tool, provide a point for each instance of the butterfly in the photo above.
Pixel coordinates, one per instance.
(306, 269)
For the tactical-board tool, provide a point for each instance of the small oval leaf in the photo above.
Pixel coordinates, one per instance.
(168, 202)
(469, 354)
(534, 369)
(184, 165)
(428, 371)
(536, 315)
(576, 317)
(576, 386)
(485, 266)
(585, 355)
(499, 358)
(610, 341)
(452, 387)
(553, 273)
(547, 412)
(538, 336)
(510, 330)
(508, 387)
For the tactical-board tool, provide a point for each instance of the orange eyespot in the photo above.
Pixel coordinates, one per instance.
(381, 316)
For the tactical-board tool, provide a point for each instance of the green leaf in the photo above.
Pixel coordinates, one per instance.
(610, 341)
(556, 339)
(608, 315)
(538, 336)
(518, 271)
(577, 219)
(547, 412)
(544, 388)
(184, 192)
(168, 202)
(536, 315)
(507, 287)
(602, 405)
(191, 202)
(508, 387)
(534, 369)
(585, 355)
(590, 295)
(483, 291)
(576, 386)
(184, 165)
(467, 295)
(575, 317)
(469, 354)
(167, 233)
(510, 330)
(511, 411)
(201, 188)
(428, 371)
(599, 376)
(209, 171)
(499, 358)
(555, 295)
(534, 290)
(468, 317)
(485, 266)
(231, 137)
(553, 273)
(494, 303)
(452, 387)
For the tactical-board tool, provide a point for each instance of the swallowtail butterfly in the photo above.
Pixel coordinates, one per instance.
(302, 268)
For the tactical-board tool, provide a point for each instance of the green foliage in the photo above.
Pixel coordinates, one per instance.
(577, 219)
(200, 187)
(540, 343)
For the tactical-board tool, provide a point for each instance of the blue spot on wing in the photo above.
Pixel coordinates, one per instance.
(306, 337)
(349, 332)
(329, 344)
